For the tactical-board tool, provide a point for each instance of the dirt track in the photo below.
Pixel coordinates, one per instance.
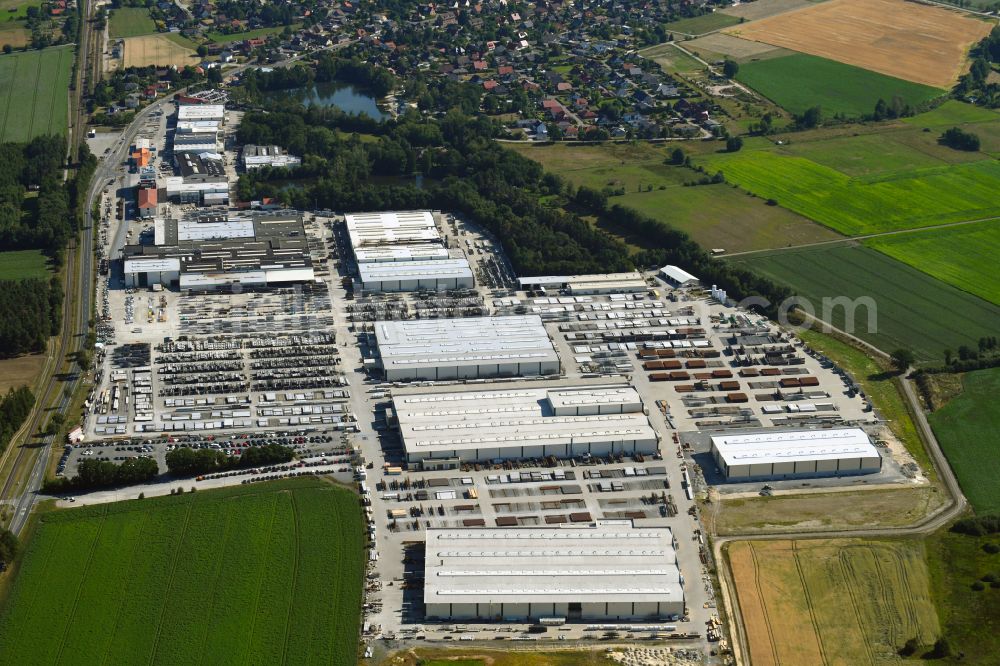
(906, 40)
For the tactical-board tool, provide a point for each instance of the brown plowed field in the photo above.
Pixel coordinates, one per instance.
(913, 42)
(156, 50)
(834, 601)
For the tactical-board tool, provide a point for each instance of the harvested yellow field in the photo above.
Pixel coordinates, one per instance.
(837, 601)
(20, 371)
(909, 41)
(156, 50)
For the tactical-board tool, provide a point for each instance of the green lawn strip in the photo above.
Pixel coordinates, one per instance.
(699, 25)
(968, 428)
(914, 310)
(880, 386)
(797, 82)
(953, 112)
(964, 256)
(23, 264)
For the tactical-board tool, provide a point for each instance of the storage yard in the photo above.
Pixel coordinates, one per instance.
(490, 422)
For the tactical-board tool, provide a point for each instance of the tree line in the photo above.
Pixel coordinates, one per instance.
(30, 312)
(97, 474)
(185, 461)
(14, 409)
(39, 221)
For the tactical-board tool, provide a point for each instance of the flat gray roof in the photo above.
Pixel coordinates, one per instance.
(782, 446)
(469, 341)
(515, 417)
(571, 280)
(386, 271)
(606, 561)
(391, 228)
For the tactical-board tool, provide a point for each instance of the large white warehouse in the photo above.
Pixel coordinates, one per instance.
(608, 570)
(470, 348)
(522, 422)
(797, 453)
(440, 275)
(391, 228)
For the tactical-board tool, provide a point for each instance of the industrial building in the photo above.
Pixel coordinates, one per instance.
(368, 230)
(441, 429)
(255, 157)
(678, 277)
(207, 251)
(437, 275)
(404, 251)
(147, 199)
(474, 348)
(609, 283)
(602, 571)
(201, 112)
(784, 454)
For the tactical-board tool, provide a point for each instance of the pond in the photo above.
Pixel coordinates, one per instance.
(345, 97)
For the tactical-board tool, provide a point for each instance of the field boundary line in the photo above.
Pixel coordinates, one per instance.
(218, 572)
(121, 603)
(297, 531)
(809, 602)
(260, 577)
(10, 100)
(763, 604)
(170, 582)
(34, 97)
(79, 588)
(848, 570)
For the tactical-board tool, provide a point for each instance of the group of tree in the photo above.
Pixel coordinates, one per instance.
(42, 221)
(8, 548)
(185, 461)
(976, 85)
(30, 312)
(466, 171)
(896, 108)
(14, 409)
(959, 139)
(97, 474)
(327, 68)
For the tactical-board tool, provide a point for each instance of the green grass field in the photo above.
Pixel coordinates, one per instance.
(953, 112)
(222, 38)
(799, 81)
(671, 59)
(964, 256)
(264, 574)
(36, 100)
(699, 25)
(914, 310)
(716, 216)
(970, 619)
(881, 202)
(131, 22)
(968, 428)
(23, 264)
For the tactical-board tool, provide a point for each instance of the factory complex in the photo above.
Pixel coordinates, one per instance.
(214, 250)
(522, 422)
(782, 454)
(470, 348)
(404, 251)
(607, 570)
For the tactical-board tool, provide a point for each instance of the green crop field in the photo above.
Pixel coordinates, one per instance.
(968, 428)
(35, 84)
(881, 202)
(799, 81)
(223, 38)
(964, 256)
(265, 574)
(699, 25)
(914, 310)
(131, 22)
(23, 264)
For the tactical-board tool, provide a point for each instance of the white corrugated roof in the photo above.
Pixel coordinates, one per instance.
(794, 445)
